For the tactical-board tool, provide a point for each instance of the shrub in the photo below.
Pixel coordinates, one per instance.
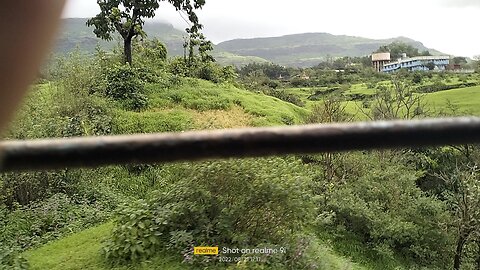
(29, 226)
(150, 53)
(417, 78)
(440, 86)
(209, 71)
(386, 210)
(230, 203)
(287, 97)
(229, 74)
(124, 84)
(10, 259)
(177, 66)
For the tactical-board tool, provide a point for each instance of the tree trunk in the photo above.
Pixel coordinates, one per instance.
(127, 50)
(458, 253)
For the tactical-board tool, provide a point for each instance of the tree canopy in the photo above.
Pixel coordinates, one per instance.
(127, 17)
(397, 48)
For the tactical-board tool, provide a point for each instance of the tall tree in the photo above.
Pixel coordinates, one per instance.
(465, 202)
(127, 18)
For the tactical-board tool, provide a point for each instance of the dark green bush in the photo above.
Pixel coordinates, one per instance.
(150, 53)
(209, 71)
(417, 78)
(440, 86)
(30, 226)
(287, 97)
(386, 209)
(228, 203)
(228, 74)
(124, 84)
(177, 66)
(11, 259)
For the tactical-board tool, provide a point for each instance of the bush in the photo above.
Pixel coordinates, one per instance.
(440, 86)
(287, 97)
(417, 78)
(386, 210)
(124, 84)
(30, 226)
(10, 259)
(227, 203)
(150, 54)
(24, 188)
(209, 71)
(177, 66)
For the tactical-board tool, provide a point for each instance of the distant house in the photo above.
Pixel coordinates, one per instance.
(418, 63)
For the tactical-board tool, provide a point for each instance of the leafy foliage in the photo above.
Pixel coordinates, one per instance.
(283, 95)
(397, 101)
(272, 71)
(11, 259)
(386, 209)
(127, 18)
(223, 203)
(150, 53)
(396, 50)
(124, 84)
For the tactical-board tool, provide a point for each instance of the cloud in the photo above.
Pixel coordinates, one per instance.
(80, 9)
(461, 3)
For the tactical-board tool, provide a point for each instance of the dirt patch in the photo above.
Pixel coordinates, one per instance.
(236, 117)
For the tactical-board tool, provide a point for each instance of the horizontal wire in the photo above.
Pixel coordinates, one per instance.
(235, 143)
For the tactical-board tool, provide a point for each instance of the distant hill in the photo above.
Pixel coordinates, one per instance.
(310, 48)
(75, 33)
(300, 50)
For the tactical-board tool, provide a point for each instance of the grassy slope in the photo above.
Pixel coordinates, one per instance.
(79, 252)
(466, 100)
(199, 104)
(226, 58)
(82, 251)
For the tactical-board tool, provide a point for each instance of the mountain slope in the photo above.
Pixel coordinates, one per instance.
(301, 50)
(75, 33)
(310, 48)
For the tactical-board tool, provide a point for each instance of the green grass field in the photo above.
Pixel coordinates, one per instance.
(201, 96)
(466, 101)
(81, 251)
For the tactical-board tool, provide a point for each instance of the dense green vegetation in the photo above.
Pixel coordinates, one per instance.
(395, 209)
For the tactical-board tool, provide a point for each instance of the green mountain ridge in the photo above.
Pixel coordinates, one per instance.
(309, 49)
(298, 50)
(75, 33)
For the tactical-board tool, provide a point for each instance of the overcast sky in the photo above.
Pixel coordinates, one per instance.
(450, 26)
